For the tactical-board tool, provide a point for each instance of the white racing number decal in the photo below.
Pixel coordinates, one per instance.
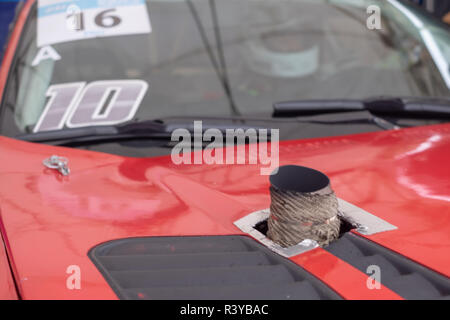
(70, 20)
(98, 103)
(62, 99)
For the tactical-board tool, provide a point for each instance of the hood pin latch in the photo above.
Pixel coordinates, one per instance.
(58, 163)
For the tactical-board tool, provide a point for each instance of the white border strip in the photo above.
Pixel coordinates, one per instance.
(247, 223)
(365, 222)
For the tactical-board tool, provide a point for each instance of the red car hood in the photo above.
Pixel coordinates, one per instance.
(50, 222)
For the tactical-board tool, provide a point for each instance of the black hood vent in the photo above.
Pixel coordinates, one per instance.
(210, 267)
(407, 278)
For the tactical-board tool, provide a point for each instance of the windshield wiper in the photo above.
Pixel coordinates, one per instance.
(412, 108)
(148, 130)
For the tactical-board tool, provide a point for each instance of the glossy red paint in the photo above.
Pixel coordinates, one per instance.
(330, 269)
(51, 222)
(7, 288)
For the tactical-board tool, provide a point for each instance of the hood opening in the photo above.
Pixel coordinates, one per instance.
(345, 226)
(305, 214)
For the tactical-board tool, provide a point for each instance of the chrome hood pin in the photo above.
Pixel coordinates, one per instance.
(58, 163)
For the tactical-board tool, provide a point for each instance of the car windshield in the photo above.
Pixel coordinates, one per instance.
(108, 62)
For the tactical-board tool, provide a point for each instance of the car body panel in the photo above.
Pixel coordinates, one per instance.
(7, 287)
(330, 269)
(51, 221)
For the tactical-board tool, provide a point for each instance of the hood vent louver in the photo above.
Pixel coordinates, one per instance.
(210, 267)
(407, 278)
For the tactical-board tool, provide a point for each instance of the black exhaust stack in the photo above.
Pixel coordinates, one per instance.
(303, 206)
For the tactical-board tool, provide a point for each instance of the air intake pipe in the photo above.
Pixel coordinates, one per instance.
(303, 206)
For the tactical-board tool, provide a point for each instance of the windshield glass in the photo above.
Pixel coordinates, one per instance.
(109, 62)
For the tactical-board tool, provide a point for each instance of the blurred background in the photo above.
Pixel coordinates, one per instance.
(439, 8)
(7, 10)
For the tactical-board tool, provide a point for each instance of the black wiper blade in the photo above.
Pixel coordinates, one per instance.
(147, 128)
(433, 108)
(150, 129)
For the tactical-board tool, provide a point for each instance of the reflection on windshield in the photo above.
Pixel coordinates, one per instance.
(440, 57)
(237, 57)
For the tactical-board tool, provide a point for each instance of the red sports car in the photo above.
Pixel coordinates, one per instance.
(103, 197)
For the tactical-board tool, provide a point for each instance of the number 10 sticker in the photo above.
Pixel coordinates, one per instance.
(63, 21)
(78, 104)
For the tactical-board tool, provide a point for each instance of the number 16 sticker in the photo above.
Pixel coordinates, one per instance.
(63, 21)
